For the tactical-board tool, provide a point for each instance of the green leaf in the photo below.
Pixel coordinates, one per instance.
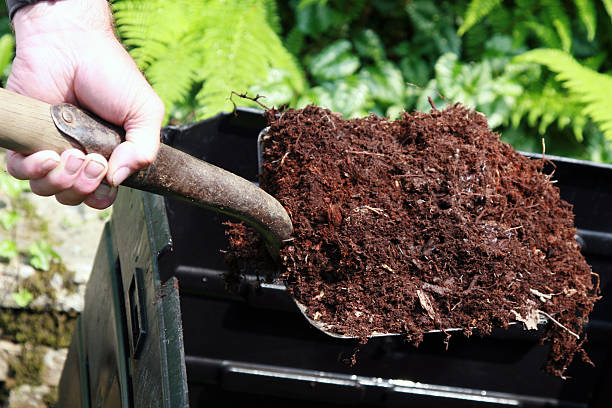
(368, 44)
(41, 255)
(316, 96)
(7, 52)
(317, 18)
(476, 11)
(11, 186)
(277, 90)
(608, 6)
(334, 61)
(394, 112)
(23, 297)
(349, 96)
(555, 12)
(415, 71)
(9, 219)
(588, 16)
(8, 249)
(385, 83)
(308, 3)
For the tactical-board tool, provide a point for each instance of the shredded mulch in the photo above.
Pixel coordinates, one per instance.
(426, 223)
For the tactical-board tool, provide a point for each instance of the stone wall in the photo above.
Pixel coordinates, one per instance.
(35, 329)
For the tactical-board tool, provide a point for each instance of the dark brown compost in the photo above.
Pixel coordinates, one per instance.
(428, 222)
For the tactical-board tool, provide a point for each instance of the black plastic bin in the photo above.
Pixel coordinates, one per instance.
(159, 329)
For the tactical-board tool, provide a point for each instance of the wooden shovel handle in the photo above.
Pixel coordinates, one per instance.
(26, 125)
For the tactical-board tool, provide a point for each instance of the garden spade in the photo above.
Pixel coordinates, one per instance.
(28, 126)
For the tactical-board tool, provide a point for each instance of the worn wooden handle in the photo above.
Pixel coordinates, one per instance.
(26, 125)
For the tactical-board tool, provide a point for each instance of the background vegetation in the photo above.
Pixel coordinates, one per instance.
(535, 68)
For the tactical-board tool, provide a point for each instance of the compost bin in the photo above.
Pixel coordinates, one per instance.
(159, 328)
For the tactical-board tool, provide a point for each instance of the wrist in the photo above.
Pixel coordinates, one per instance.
(57, 16)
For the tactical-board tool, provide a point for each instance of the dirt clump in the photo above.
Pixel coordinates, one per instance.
(425, 223)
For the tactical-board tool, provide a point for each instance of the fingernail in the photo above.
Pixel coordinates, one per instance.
(73, 164)
(94, 169)
(49, 165)
(120, 175)
(104, 191)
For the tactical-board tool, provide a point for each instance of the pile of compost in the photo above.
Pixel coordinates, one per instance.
(426, 223)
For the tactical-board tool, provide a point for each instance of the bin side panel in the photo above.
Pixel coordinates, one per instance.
(139, 239)
(103, 336)
(74, 383)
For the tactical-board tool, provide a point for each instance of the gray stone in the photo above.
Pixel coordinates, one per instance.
(25, 271)
(53, 362)
(8, 285)
(56, 282)
(27, 396)
(69, 302)
(41, 302)
(8, 351)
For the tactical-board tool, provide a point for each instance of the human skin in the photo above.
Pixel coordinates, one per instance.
(67, 52)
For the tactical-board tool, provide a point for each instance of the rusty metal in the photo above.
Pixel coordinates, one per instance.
(177, 174)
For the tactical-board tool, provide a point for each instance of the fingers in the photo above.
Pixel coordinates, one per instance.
(74, 177)
(142, 141)
(32, 167)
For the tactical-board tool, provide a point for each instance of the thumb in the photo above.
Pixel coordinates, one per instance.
(142, 140)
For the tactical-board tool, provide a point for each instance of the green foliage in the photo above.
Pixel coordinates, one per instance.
(588, 16)
(7, 52)
(476, 11)
(195, 53)
(23, 297)
(550, 22)
(8, 249)
(591, 88)
(11, 186)
(41, 255)
(9, 218)
(363, 56)
(544, 103)
(491, 85)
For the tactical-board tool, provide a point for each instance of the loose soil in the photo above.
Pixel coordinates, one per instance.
(426, 223)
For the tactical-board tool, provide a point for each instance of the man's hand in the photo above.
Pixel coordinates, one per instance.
(67, 52)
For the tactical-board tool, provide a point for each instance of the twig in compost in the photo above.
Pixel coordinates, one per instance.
(246, 96)
(366, 153)
(431, 102)
(597, 276)
(435, 90)
(558, 323)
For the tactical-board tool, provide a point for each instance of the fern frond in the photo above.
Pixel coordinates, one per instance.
(544, 105)
(215, 46)
(558, 18)
(241, 59)
(608, 6)
(588, 16)
(272, 16)
(592, 88)
(476, 11)
(542, 32)
(147, 27)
